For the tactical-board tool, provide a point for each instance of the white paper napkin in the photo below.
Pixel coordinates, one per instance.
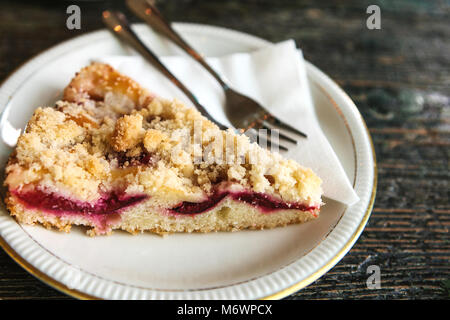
(274, 76)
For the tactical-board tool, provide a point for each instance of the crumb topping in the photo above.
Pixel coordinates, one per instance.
(109, 133)
(127, 132)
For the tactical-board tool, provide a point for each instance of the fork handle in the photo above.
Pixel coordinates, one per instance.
(117, 23)
(151, 15)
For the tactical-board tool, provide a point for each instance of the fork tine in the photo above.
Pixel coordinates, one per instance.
(284, 125)
(262, 124)
(270, 143)
(280, 134)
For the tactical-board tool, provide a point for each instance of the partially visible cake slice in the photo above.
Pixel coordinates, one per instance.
(111, 155)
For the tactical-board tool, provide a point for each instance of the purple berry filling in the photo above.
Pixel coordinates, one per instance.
(107, 209)
(102, 213)
(144, 159)
(263, 202)
(51, 202)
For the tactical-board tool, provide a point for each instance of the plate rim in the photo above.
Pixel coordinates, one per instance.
(277, 295)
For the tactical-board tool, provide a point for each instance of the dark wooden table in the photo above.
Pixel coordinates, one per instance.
(399, 77)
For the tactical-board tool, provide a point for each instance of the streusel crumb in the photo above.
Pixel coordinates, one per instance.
(153, 139)
(85, 145)
(127, 133)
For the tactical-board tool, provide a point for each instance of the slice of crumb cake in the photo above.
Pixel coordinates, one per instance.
(110, 155)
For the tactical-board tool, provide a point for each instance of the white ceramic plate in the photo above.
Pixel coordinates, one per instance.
(241, 265)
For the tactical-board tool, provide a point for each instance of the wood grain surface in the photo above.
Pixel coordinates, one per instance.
(399, 77)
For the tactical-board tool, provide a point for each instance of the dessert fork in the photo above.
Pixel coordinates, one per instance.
(242, 111)
(118, 24)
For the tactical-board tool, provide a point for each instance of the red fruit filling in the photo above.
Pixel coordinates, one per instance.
(262, 201)
(144, 159)
(51, 202)
(107, 209)
(103, 212)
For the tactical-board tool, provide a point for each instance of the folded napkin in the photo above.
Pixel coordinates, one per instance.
(275, 76)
